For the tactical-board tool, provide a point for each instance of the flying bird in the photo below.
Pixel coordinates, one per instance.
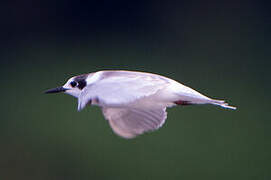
(133, 102)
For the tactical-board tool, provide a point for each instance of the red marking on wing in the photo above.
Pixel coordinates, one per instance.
(180, 102)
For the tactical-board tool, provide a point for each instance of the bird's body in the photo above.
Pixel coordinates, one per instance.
(133, 102)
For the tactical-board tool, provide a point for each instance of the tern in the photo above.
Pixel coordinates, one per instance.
(133, 102)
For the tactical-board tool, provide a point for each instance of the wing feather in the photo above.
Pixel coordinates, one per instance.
(131, 122)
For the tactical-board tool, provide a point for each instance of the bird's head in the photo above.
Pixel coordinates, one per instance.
(76, 84)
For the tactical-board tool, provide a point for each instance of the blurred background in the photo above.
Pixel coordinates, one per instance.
(221, 49)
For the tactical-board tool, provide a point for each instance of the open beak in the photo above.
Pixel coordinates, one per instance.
(56, 90)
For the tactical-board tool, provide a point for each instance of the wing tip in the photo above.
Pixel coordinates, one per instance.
(226, 106)
(223, 104)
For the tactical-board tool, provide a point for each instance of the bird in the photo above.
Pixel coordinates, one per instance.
(133, 102)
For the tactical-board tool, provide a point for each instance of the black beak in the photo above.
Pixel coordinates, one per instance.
(56, 90)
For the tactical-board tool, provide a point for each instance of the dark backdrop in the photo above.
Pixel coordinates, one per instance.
(220, 48)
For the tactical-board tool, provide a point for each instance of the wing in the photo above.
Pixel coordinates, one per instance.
(121, 90)
(130, 122)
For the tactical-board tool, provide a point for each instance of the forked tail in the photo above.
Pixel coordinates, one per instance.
(222, 103)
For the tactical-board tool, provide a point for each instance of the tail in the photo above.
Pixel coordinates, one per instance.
(221, 103)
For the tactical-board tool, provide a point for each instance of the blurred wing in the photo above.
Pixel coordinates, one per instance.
(120, 90)
(130, 122)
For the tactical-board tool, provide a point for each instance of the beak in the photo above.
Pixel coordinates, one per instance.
(56, 90)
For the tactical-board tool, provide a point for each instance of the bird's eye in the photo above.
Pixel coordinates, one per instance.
(73, 84)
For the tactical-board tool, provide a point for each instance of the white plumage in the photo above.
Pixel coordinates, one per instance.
(133, 102)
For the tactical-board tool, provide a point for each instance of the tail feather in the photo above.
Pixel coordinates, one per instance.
(222, 103)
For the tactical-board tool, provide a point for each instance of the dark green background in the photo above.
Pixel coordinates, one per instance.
(221, 49)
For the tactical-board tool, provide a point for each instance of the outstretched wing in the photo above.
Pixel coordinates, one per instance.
(120, 90)
(130, 122)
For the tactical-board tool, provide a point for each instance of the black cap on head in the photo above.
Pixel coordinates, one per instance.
(81, 80)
